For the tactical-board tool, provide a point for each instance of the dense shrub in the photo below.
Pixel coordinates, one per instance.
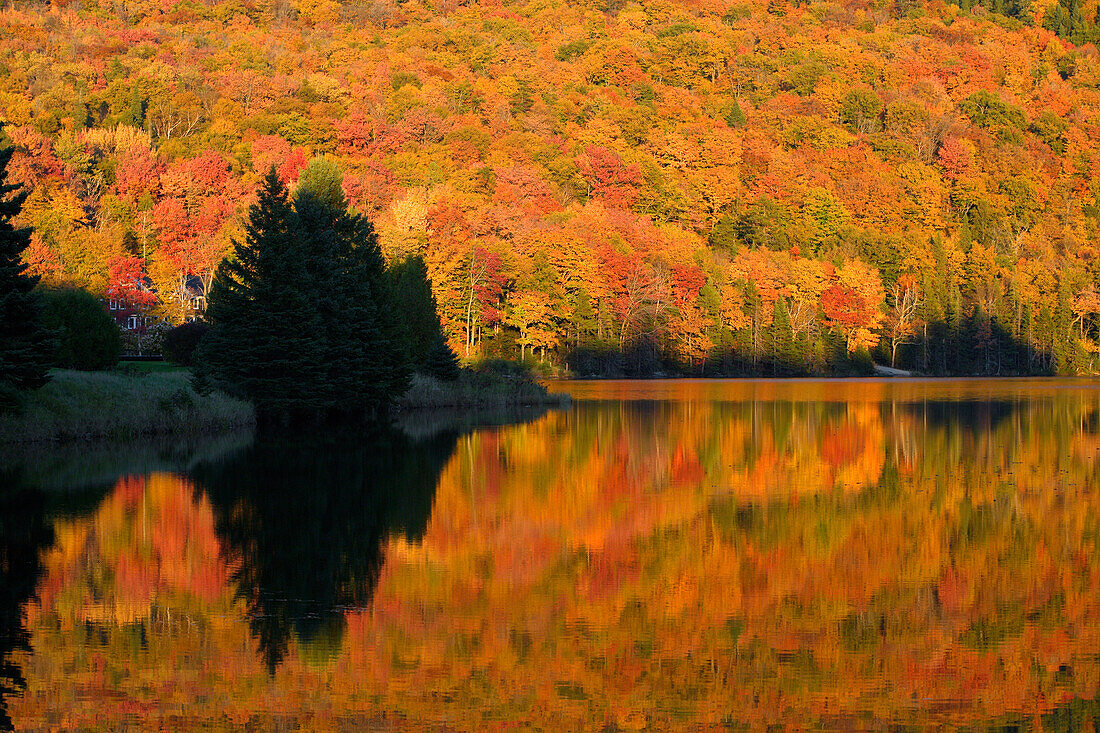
(180, 342)
(145, 341)
(87, 337)
(503, 368)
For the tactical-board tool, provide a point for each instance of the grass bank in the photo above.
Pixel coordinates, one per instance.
(97, 405)
(498, 386)
(143, 400)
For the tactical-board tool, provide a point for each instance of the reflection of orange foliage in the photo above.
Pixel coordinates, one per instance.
(148, 540)
(840, 446)
(685, 468)
(660, 564)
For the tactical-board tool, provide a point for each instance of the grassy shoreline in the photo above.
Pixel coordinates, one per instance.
(477, 390)
(144, 402)
(109, 405)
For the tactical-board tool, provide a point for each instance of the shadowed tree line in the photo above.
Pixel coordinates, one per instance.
(941, 341)
(945, 352)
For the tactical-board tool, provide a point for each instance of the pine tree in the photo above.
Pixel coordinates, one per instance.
(1063, 345)
(25, 345)
(264, 343)
(362, 327)
(422, 337)
(785, 357)
(440, 361)
(584, 317)
(302, 316)
(957, 353)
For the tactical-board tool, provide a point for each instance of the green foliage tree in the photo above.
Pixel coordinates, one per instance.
(724, 234)
(24, 342)
(785, 358)
(986, 109)
(735, 116)
(87, 337)
(860, 110)
(422, 338)
(365, 365)
(583, 317)
(265, 338)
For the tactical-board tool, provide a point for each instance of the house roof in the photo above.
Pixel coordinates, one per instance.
(194, 286)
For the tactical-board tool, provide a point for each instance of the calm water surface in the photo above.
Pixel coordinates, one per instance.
(685, 555)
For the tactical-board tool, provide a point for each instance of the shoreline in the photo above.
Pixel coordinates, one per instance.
(97, 406)
(94, 407)
(475, 390)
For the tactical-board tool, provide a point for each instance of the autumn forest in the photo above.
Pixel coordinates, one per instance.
(606, 187)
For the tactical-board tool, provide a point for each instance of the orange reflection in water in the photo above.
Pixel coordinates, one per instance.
(899, 556)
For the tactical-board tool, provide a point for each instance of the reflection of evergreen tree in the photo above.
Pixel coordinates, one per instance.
(305, 519)
(24, 533)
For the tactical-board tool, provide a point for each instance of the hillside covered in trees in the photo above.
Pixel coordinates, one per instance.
(719, 187)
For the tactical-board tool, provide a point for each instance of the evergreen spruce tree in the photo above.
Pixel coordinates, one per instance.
(1044, 338)
(422, 337)
(935, 313)
(784, 352)
(584, 317)
(1063, 344)
(362, 329)
(302, 315)
(264, 342)
(958, 337)
(441, 361)
(25, 345)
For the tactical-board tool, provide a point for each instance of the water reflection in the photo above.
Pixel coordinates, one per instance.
(302, 521)
(24, 533)
(853, 555)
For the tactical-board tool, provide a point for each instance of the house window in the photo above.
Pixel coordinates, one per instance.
(133, 322)
(114, 305)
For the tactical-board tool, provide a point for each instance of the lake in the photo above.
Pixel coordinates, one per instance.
(685, 555)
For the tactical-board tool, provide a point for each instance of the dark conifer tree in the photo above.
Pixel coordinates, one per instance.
(264, 343)
(25, 345)
(786, 360)
(441, 361)
(422, 335)
(1063, 346)
(584, 317)
(366, 364)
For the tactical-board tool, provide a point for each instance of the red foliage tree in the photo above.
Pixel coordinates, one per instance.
(609, 179)
(127, 283)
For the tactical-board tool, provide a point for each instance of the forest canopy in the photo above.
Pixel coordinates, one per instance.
(745, 187)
